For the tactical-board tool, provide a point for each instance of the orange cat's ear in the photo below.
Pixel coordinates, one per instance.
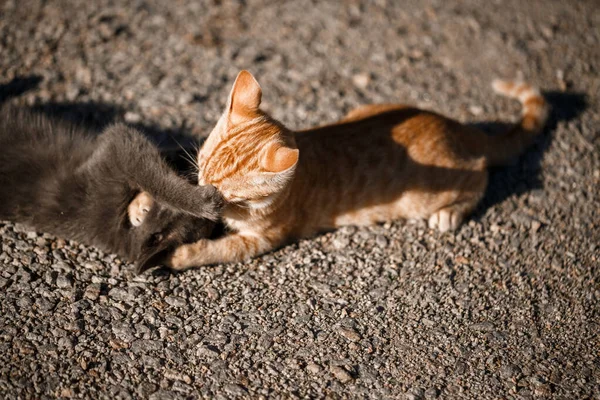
(244, 98)
(278, 158)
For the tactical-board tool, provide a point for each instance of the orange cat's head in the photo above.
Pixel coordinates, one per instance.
(249, 157)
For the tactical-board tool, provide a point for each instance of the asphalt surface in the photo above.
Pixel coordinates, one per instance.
(508, 307)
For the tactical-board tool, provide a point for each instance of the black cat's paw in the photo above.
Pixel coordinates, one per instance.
(212, 202)
(139, 208)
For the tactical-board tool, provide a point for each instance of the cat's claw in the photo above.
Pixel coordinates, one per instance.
(445, 220)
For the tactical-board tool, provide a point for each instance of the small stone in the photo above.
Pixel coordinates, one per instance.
(185, 98)
(483, 327)
(535, 225)
(120, 294)
(92, 292)
(177, 376)
(415, 395)
(209, 352)
(361, 80)
(340, 243)
(313, 368)
(117, 344)
(509, 371)
(381, 241)
(83, 75)
(341, 374)
(475, 110)
(543, 390)
(143, 346)
(66, 342)
(132, 118)
(176, 301)
(44, 304)
(64, 281)
(293, 363)
(180, 387)
(349, 333)
(234, 389)
(560, 78)
(547, 31)
(163, 395)
(24, 302)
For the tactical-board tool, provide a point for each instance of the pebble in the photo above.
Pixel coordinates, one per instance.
(361, 80)
(349, 333)
(177, 376)
(64, 281)
(341, 374)
(132, 118)
(92, 291)
(313, 368)
(234, 390)
(121, 294)
(176, 301)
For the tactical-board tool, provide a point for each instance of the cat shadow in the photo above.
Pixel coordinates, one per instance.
(178, 145)
(94, 116)
(523, 175)
(17, 86)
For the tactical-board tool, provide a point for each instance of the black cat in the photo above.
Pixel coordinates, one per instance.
(75, 183)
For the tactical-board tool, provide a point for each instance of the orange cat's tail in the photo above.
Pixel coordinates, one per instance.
(503, 147)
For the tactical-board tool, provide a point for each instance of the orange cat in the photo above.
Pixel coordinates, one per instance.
(381, 162)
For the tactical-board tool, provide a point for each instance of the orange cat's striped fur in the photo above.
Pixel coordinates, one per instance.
(379, 163)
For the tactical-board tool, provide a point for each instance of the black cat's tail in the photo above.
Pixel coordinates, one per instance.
(146, 169)
(498, 149)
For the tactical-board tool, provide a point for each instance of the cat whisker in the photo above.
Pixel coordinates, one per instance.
(188, 156)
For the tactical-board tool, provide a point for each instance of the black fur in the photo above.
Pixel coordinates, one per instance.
(77, 184)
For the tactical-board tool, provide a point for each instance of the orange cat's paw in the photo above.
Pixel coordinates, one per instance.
(445, 220)
(139, 208)
(185, 256)
(179, 260)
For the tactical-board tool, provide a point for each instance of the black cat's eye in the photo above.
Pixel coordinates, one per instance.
(155, 239)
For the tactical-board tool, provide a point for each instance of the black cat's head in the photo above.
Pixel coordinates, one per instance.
(161, 232)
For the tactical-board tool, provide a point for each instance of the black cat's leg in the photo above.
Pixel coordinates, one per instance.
(140, 162)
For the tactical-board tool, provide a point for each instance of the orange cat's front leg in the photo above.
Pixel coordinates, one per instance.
(231, 248)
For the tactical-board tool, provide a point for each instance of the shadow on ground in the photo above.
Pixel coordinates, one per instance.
(178, 145)
(524, 174)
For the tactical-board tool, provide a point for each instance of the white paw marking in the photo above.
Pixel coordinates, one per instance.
(445, 220)
(139, 207)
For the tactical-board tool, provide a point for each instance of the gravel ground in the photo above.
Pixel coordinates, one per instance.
(506, 307)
